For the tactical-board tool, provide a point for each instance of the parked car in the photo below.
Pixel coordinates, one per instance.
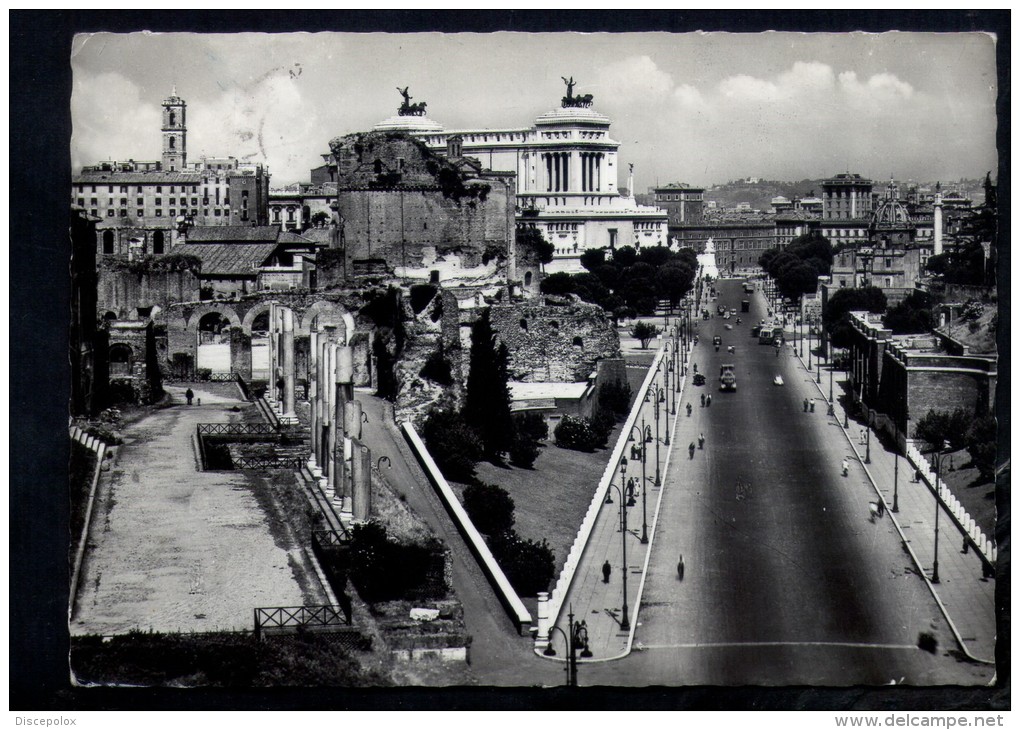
(699, 379)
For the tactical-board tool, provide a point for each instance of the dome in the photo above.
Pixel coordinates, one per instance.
(398, 123)
(890, 213)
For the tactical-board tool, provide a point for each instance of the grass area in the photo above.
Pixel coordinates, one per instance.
(551, 499)
(221, 660)
(975, 494)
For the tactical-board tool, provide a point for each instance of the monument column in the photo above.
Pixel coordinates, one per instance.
(270, 376)
(288, 365)
(313, 398)
(361, 468)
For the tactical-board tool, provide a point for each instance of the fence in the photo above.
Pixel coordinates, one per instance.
(99, 447)
(298, 617)
(972, 533)
(326, 547)
(549, 611)
(237, 429)
(268, 462)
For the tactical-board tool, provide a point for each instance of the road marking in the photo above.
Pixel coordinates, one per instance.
(748, 644)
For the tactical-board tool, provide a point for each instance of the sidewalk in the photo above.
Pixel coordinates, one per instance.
(592, 600)
(966, 598)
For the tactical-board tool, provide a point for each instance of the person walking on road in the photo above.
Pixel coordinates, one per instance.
(862, 437)
(702, 400)
(688, 410)
(189, 394)
(873, 512)
(690, 449)
(708, 401)
(805, 405)
(846, 467)
(701, 441)
(607, 570)
(680, 568)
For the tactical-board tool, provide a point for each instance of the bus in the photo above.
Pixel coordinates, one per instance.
(767, 335)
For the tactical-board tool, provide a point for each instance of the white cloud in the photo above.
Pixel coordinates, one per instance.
(110, 119)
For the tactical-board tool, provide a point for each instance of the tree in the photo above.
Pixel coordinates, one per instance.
(942, 430)
(593, 258)
(654, 256)
(614, 397)
(644, 332)
(624, 256)
(454, 446)
(491, 508)
(558, 283)
(844, 301)
(981, 444)
(911, 316)
(523, 450)
(320, 219)
(533, 425)
(531, 237)
(673, 281)
(487, 401)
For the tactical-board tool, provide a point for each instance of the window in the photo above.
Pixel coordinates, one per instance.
(123, 188)
(123, 212)
(172, 212)
(194, 201)
(81, 202)
(216, 211)
(159, 188)
(109, 213)
(93, 201)
(140, 201)
(173, 201)
(159, 201)
(158, 242)
(159, 213)
(111, 188)
(107, 242)
(578, 342)
(141, 213)
(123, 201)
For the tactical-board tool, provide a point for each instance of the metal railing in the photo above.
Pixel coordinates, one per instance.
(222, 377)
(267, 462)
(237, 429)
(298, 617)
(330, 538)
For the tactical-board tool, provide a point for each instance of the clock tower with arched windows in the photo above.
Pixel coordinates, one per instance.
(175, 133)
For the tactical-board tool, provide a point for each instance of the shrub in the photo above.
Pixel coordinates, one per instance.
(533, 425)
(385, 570)
(490, 508)
(527, 564)
(203, 373)
(523, 450)
(575, 433)
(453, 444)
(644, 332)
(601, 425)
(615, 397)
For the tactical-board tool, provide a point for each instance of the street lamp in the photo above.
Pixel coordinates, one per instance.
(656, 393)
(938, 493)
(867, 451)
(831, 407)
(577, 637)
(644, 481)
(625, 619)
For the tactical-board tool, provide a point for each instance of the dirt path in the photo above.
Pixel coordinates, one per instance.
(175, 548)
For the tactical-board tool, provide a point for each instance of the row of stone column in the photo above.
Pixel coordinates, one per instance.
(338, 459)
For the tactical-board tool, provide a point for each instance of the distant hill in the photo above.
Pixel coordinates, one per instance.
(759, 194)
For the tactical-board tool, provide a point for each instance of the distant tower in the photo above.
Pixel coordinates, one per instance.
(175, 133)
(937, 224)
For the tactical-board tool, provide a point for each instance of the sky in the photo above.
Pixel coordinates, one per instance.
(700, 108)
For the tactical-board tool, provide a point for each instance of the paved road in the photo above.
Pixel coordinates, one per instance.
(787, 581)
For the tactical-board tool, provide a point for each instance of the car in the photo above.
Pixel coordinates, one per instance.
(699, 379)
(726, 316)
(729, 326)
(778, 380)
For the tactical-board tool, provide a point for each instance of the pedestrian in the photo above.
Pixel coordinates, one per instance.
(607, 570)
(873, 512)
(630, 491)
(917, 475)
(633, 457)
(881, 508)
(845, 467)
(701, 441)
(863, 438)
(702, 400)
(688, 410)
(708, 400)
(812, 405)
(680, 568)
(189, 394)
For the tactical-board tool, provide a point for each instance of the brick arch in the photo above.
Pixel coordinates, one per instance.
(323, 307)
(225, 309)
(249, 318)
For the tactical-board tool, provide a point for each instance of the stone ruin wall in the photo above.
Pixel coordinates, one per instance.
(556, 342)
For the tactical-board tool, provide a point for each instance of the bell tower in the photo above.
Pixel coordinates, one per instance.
(175, 133)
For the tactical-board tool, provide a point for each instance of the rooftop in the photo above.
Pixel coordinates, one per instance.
(223, 234)
(229, 259)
